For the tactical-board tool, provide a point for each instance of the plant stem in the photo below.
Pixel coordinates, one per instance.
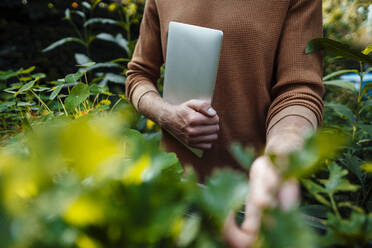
(113, 107)
(41, 101)
(334, 207)
(63, 106)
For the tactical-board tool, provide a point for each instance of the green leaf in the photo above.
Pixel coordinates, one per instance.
(118, 39)
(25, 87)
(28, 70)
(341, 110)
(336, 48)
(339, 73)
(189, 231)
(100, 21)
(315, 189)
(62, 42)
(5, 75)
(115, 78)
(101, 65)
(341, 83)
(38, 75)
(368, 50)
(225, 190)
(336, 181)
(5, 106)
(366, 104)
(73, 78)
(318, 211)
(67, 14)
(98, 89)
(245, 157)
(82, 59)
(79, 94)
(285, 229)
(86, 5)
(55, 92)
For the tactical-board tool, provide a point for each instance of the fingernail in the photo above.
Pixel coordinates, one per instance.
(211, 111)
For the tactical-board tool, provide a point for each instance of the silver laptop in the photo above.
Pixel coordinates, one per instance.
(191, 64)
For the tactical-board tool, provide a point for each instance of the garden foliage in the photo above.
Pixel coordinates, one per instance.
(80, 168)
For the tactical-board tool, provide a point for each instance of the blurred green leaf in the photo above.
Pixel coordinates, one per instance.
(189, 231)
(62, 42)
(341, 110)
(28, 70)
(82, 59)
(225, 190)
(336, 48)
(79, 94)
(341, 83)
(55, 92)
(339, 73)
(285, 229)
(26, 87)
(245, 157)
(118, 39)
(100, 21)
(72, 78)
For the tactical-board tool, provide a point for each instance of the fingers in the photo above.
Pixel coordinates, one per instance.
(202, 130)
(203, 139)
(196, 118)
(234, 236)
(201, 106)
(289, 195)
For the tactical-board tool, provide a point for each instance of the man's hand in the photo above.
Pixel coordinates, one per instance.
(265, 190)
(194, 122)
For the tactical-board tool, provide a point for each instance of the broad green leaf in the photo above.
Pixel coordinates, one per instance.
(73, 78)
(55, 92)
(368, 50)
(28, 70)
(62, 42)
(341, 83)
(115, 78)
(338, 73)
(245, 157)
(100, 21)
(366, 104)
(225, 191)
(5, 106)
(336, 181)
(341, 110)
(98, 89)
(82, 59)
(79, 94)
(337, 48)
(352, 163)
(25, 87)
(118, 39)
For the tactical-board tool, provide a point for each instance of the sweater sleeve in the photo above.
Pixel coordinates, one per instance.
(144, 67)
(298, 77)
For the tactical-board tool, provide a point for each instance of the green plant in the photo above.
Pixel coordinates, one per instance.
(345, 189)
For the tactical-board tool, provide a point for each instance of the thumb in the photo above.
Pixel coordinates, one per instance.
(202, 106)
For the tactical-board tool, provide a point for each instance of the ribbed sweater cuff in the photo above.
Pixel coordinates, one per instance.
(294, 110)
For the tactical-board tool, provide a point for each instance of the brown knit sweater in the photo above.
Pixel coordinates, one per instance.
(263, 69)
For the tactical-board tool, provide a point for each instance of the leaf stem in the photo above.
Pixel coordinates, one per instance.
(41, 101)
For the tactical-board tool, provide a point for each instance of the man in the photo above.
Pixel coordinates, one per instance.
(268, 93)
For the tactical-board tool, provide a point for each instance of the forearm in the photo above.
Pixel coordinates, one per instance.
(148, 102)
(288, 129)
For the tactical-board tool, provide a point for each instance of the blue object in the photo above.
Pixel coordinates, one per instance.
(355, 78)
